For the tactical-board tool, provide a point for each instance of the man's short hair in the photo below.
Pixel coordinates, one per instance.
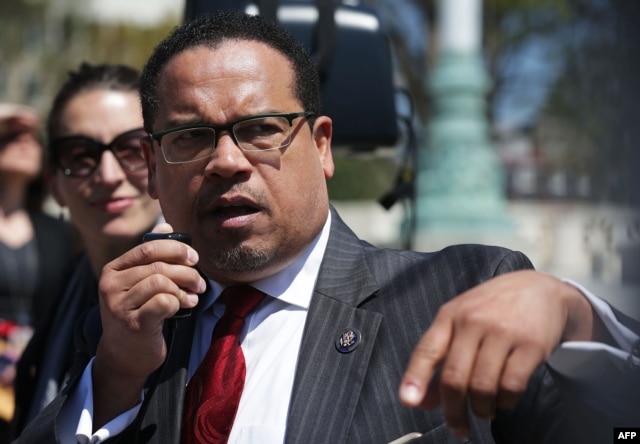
(213, 30)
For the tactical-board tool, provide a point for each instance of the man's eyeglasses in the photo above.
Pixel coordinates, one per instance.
(255, 133)
(80, 156)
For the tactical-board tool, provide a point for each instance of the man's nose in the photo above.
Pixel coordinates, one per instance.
(227, 159)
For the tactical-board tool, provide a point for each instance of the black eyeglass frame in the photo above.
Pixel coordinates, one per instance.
(100, 148)
(218, 129)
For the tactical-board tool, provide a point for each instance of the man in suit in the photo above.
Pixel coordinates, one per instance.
(238, 157)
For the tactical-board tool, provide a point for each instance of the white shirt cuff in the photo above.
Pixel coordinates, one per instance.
(600, 371)
(567, 360)
(76, 417)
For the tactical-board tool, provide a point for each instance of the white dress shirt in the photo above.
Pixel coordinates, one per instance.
(271, 341)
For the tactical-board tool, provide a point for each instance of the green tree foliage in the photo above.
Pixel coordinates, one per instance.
(587, 124)
(43, 40)
(597, 95)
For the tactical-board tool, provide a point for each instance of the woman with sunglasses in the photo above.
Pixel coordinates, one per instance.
(99, 173)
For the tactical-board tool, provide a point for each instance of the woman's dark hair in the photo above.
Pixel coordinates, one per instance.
(213, 30)
(87, 78)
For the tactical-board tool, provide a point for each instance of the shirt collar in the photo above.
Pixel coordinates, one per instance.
(293, 285)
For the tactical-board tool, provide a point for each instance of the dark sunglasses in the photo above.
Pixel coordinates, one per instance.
(80, 156)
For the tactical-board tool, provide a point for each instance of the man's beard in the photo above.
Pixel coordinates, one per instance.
(239, 259)
(235, 258)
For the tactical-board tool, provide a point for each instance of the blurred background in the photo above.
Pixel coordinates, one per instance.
(510, 122)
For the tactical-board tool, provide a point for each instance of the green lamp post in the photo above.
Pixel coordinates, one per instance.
(460, 191)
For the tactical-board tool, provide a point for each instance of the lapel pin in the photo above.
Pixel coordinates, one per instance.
(349, 340)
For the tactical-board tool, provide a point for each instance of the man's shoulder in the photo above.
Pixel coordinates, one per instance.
(489, 253)
(457, 266)
(454, 253)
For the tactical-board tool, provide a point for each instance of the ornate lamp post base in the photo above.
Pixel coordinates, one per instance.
(460, 182)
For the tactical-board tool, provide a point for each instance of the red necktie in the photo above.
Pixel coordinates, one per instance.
(213, 394)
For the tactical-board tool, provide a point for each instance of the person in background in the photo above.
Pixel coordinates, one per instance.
(98, 172)
(35, 248)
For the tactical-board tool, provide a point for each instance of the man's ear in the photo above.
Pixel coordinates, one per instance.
(150, 157)
(322, 132)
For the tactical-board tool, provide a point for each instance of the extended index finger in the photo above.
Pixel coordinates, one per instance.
(423, 365)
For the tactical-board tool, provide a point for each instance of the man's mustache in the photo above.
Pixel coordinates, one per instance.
(205, 201)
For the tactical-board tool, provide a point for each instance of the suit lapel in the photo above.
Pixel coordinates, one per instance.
(162, 419)
(328, 382)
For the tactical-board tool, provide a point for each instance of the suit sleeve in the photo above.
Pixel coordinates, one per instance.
(600, 380)
(585, 389)
(513, 261)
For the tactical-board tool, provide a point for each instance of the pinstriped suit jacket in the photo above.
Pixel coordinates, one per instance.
(391, 296)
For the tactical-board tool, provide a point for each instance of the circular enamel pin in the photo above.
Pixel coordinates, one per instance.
(348, 340)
